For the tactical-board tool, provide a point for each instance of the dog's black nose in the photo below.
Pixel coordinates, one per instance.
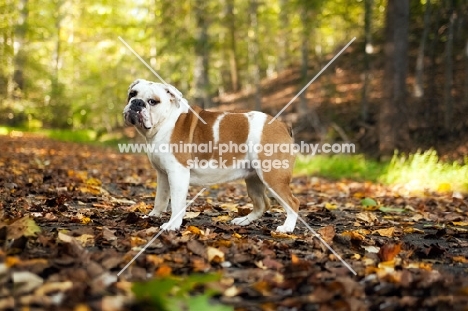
(137, 105)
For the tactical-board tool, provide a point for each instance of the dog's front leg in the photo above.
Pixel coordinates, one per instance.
(179, 183)
(162, 195)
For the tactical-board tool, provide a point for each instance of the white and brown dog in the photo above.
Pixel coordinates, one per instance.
(161, 114)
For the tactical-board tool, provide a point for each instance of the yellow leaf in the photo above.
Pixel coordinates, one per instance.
(359, 195)
(24, 226)
(11, 261)
(387, 232)
(232, 207)
(354, 235)
(444, 187)
(86, 240)
(222, 218)
(460, 223)
(461, 259)
(281, 235)
(214, 254)
(412, 230)
(330, 206)
(237, 235)
(93, 182)
(136, 241)
(194, 230)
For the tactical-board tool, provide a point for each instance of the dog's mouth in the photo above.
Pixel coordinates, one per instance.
(135, 118)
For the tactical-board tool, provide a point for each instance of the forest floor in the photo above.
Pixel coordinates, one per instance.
(72, 217)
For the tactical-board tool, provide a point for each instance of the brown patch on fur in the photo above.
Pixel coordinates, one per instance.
(233, 130)
(279, 178)
(190, 130)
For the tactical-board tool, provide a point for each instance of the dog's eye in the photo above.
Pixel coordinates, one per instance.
(132, 94)
(153, 102)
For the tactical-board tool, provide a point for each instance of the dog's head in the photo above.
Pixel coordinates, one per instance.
(149, 104)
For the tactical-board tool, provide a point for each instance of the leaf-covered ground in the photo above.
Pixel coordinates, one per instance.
(72, 216)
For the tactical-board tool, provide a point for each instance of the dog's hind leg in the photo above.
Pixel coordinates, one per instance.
(279, 188)
(261, 203)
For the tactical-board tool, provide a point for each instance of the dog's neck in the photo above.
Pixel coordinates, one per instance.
(160, 130)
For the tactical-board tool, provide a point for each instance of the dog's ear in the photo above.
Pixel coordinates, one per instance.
(174, 94)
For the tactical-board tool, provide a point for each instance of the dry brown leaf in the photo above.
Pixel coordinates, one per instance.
(367, 217)
(327, 233)
(461, 259)
(388, 251)
(386, 232)
(189, 215)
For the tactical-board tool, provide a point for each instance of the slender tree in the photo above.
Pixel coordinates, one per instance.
(367, 51)
(418, 81)
(202, 82)
(233, 57)
(254, 52)
(393, 123)
(20, 50)
(448, 80)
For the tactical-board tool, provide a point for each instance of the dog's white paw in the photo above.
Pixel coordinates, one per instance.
(171, 226)
(241, 221)
(285, 229)
(154, 213)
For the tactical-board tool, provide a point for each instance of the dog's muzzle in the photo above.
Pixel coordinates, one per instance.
(133, 115)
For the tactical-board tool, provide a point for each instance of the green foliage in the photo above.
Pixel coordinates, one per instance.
(420, 171)
(340, 166)
(424, 170)
(78, 71)
(368, 202)
(178, 293)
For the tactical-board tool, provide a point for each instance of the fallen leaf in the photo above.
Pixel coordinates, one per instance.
(194, 230)
(22, 227)
(282, 235)
(387, 232)
(371, 249)
(367, 217)
(222, 218)
(368, 202)
(461, 259)
(388, 251)
(327, 233)
(330, 206)
(163, 271)
(189, 215)
(214, 254)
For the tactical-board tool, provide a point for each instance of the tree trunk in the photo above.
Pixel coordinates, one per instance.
(202, 84)
(418, 83)
(283, 42)
(254, 52)
(466, 74)
(448, 79)
(20, 53)
(393, 123)
(367, 52)
(233, 62)
(305, 20)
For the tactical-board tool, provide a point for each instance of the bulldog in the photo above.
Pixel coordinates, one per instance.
(161, 114)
